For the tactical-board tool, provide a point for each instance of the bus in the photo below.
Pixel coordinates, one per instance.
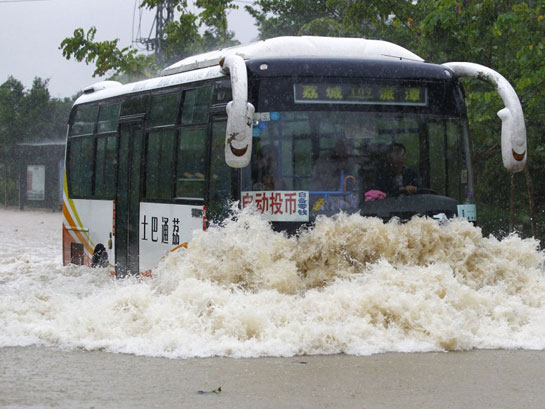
(294, 127)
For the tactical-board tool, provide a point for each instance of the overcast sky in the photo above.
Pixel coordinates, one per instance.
(32, 30)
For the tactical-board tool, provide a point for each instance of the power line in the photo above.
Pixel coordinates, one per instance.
(19, 1)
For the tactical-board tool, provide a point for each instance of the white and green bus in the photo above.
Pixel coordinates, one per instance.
(296, 127)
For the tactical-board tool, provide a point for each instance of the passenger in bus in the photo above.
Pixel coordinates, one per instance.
(266, 177)
(334, 174)
(395, 177)
(329, 169)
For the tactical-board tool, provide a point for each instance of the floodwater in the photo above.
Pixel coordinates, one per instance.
(34, 377)
(322, 319)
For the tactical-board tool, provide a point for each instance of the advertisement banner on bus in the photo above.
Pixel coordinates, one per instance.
(278, 206)
(165, 227)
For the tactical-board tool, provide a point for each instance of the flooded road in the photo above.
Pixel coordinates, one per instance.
(34, 377)
(354, 314)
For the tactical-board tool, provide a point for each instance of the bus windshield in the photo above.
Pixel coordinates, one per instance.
(385, 164)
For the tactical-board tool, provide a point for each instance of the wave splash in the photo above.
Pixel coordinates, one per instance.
(349, 285)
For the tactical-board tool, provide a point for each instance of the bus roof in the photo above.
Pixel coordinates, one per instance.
(305, 46)
(98, 92)
(206, 66)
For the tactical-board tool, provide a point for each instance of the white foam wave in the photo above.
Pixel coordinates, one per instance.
(351, 284)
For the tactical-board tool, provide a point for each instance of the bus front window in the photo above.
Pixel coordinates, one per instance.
(379, 164)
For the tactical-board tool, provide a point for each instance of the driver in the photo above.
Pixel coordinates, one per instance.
(396, 177)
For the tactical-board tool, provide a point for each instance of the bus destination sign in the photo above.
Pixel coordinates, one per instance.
(367, 94)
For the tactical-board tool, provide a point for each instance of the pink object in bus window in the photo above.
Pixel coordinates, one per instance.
(374, 195)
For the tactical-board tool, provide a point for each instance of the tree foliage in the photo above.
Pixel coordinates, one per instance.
(27, 115)
(11, 107)
(507, 36)
(183, 38)
(106, 55)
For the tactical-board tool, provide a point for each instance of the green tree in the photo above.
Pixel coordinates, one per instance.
(339, 18)
(288, 17)
(183, 38)
(26, 116)
(507, 36)
(106, 55)
(11, 102)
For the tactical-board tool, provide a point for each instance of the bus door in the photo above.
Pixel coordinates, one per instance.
(127, 206)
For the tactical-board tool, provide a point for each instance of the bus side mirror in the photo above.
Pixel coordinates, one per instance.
(513, 129)
(238, 136)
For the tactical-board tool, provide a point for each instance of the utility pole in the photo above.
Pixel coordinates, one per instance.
(164, 14)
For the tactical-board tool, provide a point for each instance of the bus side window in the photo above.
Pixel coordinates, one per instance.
(81, 152)
(164, 109)
(191, 163)
(105, 166)
(222, 93)
(106, 152)
(196, 103)
(84, 120)
(107, 118)
(135, 104)
(160, 146)
(80, 166)
(160, 164)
